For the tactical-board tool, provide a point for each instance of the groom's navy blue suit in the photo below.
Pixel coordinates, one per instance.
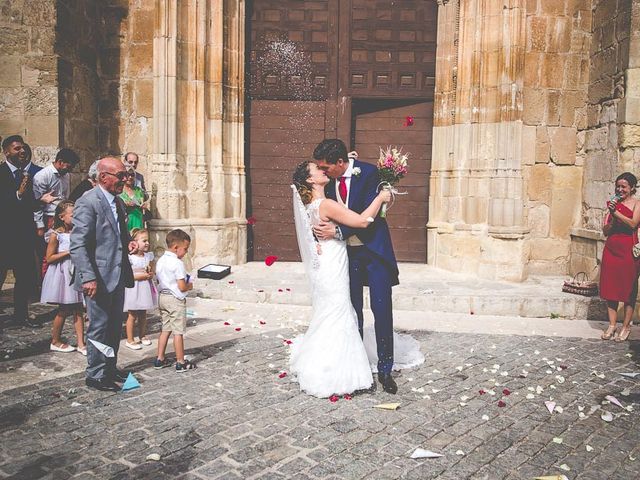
(373, 264)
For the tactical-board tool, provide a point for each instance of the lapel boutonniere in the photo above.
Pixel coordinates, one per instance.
(356, 171)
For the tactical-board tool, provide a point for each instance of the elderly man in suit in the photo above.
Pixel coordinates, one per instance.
(99, 252)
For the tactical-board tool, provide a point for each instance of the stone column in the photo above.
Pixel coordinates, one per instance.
(198, 159)
(476, 205)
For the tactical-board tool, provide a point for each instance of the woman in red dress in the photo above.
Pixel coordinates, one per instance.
(619, 270)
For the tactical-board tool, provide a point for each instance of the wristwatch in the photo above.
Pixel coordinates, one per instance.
(338, 233)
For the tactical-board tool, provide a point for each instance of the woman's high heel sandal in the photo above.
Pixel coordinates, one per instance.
(623, 335)
(609, 333)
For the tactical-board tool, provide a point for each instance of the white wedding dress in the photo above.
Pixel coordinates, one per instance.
(331, 358)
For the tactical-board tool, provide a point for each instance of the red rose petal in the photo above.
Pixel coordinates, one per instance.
(501, 404)
(288, 289)
(227, 323)
(262, 322)
(506, 392)
(231, 282)
(288, 342)
(408, 121)
(481, 392)
(347, 397)
(563, 367)
(471, 313)
(260, 291)
(238, 329)
(270, 260)
(282, 375)
(251, 220)
(333, 398)
(280, 290)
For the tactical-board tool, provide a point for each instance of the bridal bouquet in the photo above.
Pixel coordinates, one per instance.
(392, 166)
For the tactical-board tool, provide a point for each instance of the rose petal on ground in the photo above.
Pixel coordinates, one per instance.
(557, 440)
(333, 398)
(153, 457)
(614, 400)
(501, 404)
(270, 260)
(560, 378)
(76, 404)
(485, 417)
(347, 397)
(550, 405)
(506, 392)
(558, 409)
(459, 452)
(606, 416)
(387, 406)
(262, 322)
(565, 467)
(237, 329)
(625, 392)
(530, 396)
(589, 448)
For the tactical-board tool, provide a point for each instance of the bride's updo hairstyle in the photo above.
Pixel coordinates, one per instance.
(300, 176)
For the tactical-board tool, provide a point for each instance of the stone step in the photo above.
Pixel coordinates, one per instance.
(423, 288)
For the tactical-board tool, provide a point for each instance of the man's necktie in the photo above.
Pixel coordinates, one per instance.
(342, 189)
(17, 174)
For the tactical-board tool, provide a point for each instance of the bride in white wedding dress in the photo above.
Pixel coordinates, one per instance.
(331, 358)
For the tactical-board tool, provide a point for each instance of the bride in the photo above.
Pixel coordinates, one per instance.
(331, 358)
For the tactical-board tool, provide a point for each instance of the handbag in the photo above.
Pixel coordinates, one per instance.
(580, 285)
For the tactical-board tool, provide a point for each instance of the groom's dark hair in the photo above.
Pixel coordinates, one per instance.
(330, 150)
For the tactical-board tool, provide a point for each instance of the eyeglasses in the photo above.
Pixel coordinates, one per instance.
(120, 175)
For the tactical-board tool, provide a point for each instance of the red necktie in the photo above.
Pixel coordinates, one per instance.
(342, 188)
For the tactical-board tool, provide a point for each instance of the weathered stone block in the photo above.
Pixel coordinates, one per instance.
(559, 34)
(14, 40)
(629, 136)
(528, 145)
(142, 25)
(12, 124)
(537, 34)
(144, 98)
(550, 249)
(539, 184)
(552, 66)
(42, 130)
(563, 145)
(140, 60)
(553, 108)
(534, 106)
(565, 203)
(542, 145)
(538, 221)
(10, 71)
(41, 101)
(42, 41)
(39, 13)
(552, 7)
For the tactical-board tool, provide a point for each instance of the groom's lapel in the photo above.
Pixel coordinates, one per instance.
(354, 186)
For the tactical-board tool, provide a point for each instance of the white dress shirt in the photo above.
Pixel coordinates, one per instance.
(49, 180)
(169, 270)
(352, 241)
(111, 200)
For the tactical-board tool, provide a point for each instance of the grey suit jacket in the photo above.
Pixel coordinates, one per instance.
(98, 251)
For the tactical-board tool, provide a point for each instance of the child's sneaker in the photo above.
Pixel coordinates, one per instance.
(158, 364)
(183, 367)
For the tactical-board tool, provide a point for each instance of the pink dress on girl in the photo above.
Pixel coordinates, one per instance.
(56, 285)
(143, 295)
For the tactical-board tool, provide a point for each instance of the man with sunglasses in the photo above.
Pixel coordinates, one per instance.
(99, 251)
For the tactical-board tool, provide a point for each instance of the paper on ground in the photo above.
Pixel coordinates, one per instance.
(106, 350)
(422, 453)
(388, 406)
(630, 374)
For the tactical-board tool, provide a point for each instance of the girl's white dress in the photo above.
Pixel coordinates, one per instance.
(56, 285)
(143, 295)
(331, 358)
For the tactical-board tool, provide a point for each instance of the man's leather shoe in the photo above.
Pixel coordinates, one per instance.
(27, 322)
(120, 375)
(388, 383)
(103, 385)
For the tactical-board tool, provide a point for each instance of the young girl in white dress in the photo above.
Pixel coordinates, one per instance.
(143, 295)
(56, 285)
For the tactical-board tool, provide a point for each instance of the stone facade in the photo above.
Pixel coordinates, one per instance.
(537, 109)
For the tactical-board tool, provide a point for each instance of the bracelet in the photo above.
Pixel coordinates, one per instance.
(338, 233)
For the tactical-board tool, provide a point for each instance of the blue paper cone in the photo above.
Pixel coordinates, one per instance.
(130, 383)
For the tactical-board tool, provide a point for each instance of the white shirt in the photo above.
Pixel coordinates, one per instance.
(49, 180)
(169, 270)
(111, 199)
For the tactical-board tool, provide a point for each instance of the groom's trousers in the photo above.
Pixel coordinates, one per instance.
(366, 269)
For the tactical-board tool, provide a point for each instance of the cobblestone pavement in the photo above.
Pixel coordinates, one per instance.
(234, 417)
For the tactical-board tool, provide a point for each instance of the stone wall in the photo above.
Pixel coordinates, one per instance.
(610, 139)
(78, 40)
(555, 93)
(29, 74)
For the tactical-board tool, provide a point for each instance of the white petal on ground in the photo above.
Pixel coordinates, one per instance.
(589, 448)
(422, 453)
(153, 456)
(613, 400)
(607, 416)
(557, 440)
(485, 417)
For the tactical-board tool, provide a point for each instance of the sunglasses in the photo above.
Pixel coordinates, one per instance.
(120, 175)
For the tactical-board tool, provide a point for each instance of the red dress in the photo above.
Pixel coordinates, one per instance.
(619, 270)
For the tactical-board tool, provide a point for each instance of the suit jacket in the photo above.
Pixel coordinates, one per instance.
(33, 169)
(16, 216)
(376, 237)
(98, 251)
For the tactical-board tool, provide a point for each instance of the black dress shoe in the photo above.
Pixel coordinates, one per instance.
(388, 383)
(119, 375)
(27, 322)
(103, 385)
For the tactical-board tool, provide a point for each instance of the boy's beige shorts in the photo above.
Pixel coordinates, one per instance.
(173, 312)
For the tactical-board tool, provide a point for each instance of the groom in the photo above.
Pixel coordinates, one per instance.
(371, 258)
